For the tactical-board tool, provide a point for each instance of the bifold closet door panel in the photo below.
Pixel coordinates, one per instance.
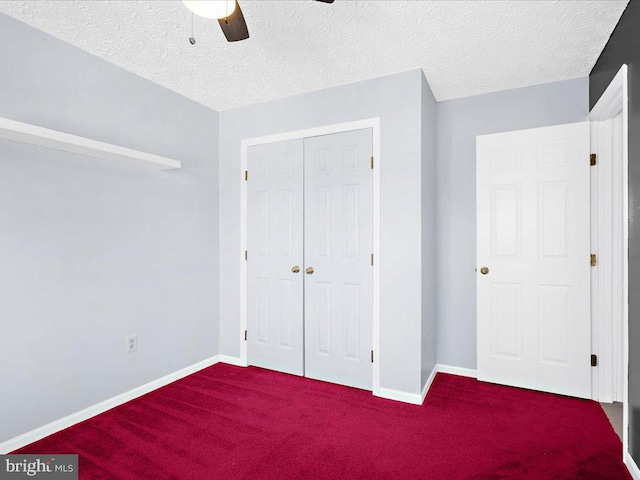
(338, 247)
(275, 222)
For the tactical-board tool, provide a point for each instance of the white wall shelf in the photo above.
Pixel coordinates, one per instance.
(43, 137)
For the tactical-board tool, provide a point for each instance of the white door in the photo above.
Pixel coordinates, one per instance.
(338, 248)
(533, 237)
(274, 250)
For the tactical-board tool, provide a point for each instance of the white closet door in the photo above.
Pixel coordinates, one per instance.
(534, 326)
(338, 247)
(275, 242)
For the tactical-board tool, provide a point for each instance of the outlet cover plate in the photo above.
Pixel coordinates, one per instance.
(131, 343)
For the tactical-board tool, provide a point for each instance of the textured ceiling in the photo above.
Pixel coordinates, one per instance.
(464, 47)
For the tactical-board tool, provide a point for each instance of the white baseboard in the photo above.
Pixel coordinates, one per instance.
(400, 396)
(428, 383)
(631, 466)
(463, 372)
(232, 360)
(416, 399)
(57, 425)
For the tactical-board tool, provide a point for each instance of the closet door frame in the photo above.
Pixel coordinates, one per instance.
(374, 125)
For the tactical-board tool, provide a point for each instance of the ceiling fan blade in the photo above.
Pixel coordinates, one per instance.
(234, 26)
(326, 1)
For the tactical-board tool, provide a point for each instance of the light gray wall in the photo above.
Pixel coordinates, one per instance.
(459, 121)
(91, 251)
(429, 258)
(396, 99)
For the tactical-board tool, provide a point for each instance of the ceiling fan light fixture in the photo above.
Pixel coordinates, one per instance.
(211, 8)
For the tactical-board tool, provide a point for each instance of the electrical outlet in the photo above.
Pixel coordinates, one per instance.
(131, 343)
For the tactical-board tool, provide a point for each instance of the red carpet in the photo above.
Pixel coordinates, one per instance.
(232, 423)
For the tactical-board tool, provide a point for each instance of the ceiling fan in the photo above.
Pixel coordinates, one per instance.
(228, 14)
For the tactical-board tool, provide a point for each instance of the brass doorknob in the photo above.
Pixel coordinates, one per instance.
(295, 269)
(309, 271)
(484, 270)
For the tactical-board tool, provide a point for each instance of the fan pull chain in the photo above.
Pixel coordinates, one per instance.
(192, 40)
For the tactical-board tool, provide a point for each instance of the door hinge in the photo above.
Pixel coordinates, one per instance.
(593, 159)
(371, 163)
(594, 260)
(245, 335)
(371, 356)
(594, 360)
(246, 255)
(246, 175)
(372, 259)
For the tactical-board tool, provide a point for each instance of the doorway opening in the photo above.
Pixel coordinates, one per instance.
(600, 200)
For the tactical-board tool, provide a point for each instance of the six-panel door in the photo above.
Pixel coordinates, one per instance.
(275, 247)
(533, 259)
(338, 245)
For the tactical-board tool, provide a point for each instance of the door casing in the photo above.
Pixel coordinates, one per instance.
(613, 102)
(374, 125)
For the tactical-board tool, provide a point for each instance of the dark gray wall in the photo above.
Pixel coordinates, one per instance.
(459, 121)
(624, 47)
(90, 250)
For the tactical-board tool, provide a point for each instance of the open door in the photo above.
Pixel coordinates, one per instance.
(533, 255)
